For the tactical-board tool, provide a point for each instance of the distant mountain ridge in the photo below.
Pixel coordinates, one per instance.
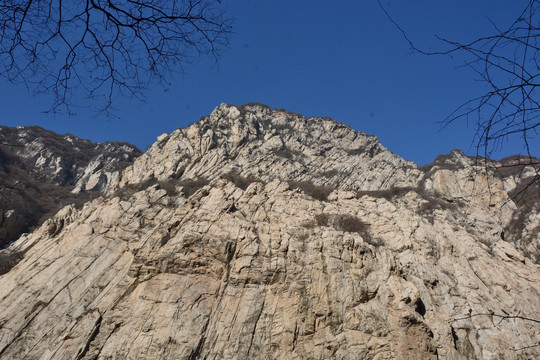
(41, 171)
(66, 160)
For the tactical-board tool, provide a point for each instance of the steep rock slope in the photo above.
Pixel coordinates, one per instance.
(67, 160)
(523, 176)
(253, 264)
(272, 144)
(41, 171)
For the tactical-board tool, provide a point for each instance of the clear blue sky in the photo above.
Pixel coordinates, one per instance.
(341, 59)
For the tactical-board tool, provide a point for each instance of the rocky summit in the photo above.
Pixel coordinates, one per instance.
(261, 234)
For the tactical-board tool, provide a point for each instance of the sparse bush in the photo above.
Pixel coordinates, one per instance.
(444, 162)
(253, 104)
(239, 180)
(247, 107)
(347, 223)
(287, 153)
(282, 127)
(330, 173)
(427, 208)
(127, 191)
(350, 223)
(317, 192)
(322, 219)
(527, 199)
(190, 186)
(373, 241)
(527, 193)
(169, 186)
(371, 149)
(514, 165)
(431, 204)
(387, 194)
(28, 202)
(8, 260)
(30, 194)
(358, 151)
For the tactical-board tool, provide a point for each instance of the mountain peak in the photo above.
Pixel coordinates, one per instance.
(255, 140)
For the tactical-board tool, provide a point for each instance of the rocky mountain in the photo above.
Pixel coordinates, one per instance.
(41, 171)
(258, 233)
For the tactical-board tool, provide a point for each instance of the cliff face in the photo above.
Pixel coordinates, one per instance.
(41, 171)
(256, 233)
(67, 160)
(271, 144)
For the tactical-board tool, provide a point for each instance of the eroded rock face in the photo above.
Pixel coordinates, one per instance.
(41, 171)
(67, 160)
(253, 266)
(269, 144)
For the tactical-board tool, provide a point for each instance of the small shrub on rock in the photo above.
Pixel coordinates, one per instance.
(127, 191)
(387, 194)
(317, 192)
(347, 223)
(8, 260)
(322, 219)
(190, 186)
(239, 180)
(169, 186)
(287, 153)
(350, 223)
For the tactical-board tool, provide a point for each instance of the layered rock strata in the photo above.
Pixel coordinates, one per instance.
(257, 233)
(41, 172)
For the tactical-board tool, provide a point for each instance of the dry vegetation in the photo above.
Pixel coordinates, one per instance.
(388, 194)
(30, 194)
(527, 198)
(317, 192)
(190, 186)
(25, 202)
(8, 260)
(289, 154)
(346, 223)
(240, 181)
(171, 186)
(75, 153)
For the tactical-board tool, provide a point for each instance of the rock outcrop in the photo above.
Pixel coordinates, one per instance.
(268, 144)
(257, 233)
(67, 160)
(41, 171)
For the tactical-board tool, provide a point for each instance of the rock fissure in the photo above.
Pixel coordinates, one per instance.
(93, 335)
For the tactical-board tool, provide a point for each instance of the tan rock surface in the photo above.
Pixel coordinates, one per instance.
(266, 270)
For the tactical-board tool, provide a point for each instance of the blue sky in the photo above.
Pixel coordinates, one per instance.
(342, 59)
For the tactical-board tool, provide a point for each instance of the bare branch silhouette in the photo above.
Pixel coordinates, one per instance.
(509, 63)
(103, 49)
(501, 319)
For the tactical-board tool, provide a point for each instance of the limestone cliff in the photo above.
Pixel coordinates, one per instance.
(257, 233)
(67, 160)
(41, 172)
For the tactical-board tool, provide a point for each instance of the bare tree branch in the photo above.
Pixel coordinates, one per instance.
(509, 63)
(501, 319)
(104, 49)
